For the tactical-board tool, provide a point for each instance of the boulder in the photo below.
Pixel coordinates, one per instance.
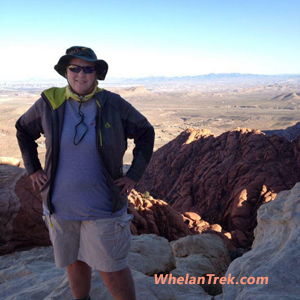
(21, 224)
(200, 255)
(151, 254)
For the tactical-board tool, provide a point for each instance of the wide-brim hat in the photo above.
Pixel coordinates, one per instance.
(84, 53)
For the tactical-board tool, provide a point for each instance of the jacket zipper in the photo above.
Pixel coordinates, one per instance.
(54, 117)
(51, 178)
(100, 138)
(99, 132)
(101, 144)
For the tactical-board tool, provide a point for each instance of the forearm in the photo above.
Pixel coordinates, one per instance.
(138, 128)
(142, 153)
(28, 131)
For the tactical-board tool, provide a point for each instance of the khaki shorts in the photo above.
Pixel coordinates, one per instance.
(103, 244)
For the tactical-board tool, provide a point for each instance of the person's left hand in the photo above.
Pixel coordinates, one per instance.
(127, 184)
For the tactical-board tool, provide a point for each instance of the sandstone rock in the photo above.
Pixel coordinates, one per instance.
(148, 290)
(200, 255)
(9, 161)
(199, 244)
(151, 254)
(274, 254)
(155, 216)
(223, 179)
(216, 227)
(32, 275)
(193, 216)
(158, 217)
(21, 225)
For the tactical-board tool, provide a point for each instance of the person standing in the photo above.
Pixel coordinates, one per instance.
(83, 187)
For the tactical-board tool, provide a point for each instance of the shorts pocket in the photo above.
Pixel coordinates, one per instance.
(108, 238)
(124, 242)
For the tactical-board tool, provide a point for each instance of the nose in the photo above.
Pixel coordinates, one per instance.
(81, 73)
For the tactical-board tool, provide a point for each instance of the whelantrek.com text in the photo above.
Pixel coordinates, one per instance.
(209, 279)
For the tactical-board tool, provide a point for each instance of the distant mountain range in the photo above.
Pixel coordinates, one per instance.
(218, 76)
(211, 76)
(164, 83)
(206, 81)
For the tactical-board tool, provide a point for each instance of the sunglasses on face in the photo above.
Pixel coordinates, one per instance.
(77, 69)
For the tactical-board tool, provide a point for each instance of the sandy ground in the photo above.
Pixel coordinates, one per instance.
(262, 107)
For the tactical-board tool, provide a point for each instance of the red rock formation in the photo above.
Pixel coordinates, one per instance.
(21, 225)
(158, 217)
(224, 179)
(155, 216)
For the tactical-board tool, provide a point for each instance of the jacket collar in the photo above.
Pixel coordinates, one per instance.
(57, 96)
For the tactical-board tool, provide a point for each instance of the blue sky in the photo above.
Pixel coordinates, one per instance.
(152, 38)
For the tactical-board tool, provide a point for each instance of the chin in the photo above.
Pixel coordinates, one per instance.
(81, 91)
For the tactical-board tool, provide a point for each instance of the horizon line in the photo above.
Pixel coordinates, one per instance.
(155, 76)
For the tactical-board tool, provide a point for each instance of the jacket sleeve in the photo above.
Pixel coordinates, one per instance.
(29, 129)
(141, 131)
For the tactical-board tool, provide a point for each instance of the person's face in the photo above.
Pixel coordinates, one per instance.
(80, 82)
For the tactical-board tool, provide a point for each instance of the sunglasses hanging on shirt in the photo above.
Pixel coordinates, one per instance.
(81, 122)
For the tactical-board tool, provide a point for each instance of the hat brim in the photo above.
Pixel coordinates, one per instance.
(61, 66)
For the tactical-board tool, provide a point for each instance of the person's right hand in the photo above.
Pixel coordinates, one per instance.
(38, 178)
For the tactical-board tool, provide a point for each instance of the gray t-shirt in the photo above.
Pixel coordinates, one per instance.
(80, 189)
